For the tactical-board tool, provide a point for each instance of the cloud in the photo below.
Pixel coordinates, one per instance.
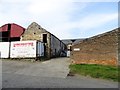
(83, 25)
(95, 0)
(53, 15)
(95, 20)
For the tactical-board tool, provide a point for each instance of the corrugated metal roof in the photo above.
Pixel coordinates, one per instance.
(15, 31)
(4, 28)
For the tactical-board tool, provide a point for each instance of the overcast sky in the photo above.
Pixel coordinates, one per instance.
(66, 19)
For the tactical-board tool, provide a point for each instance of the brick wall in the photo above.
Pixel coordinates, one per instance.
(100, 49)
(119, 48)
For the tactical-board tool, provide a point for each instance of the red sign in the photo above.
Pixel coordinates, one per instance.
(22, 44)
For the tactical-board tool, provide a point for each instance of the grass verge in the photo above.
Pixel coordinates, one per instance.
(96, 71)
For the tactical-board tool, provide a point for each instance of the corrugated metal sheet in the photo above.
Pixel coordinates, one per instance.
(16, 30)
(40, 49)
(4, 28)
(4, 49)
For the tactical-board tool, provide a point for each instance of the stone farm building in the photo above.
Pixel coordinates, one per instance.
(100, 49)
(53, 46)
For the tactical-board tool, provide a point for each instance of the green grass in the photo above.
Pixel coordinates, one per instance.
(96, 71)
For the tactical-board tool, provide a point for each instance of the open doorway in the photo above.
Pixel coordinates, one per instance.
(45, 38)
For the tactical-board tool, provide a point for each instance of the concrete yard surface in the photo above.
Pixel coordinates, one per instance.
(23, 81)
(47, 74)
(58, 67)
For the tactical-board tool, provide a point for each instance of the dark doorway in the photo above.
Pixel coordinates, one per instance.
(4, 34)
(45, 38)
(15, 39)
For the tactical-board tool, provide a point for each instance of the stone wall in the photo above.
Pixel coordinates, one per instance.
(100, 49)
(35, 32)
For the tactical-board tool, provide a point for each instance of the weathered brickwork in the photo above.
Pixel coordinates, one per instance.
(119, 48)
(100, 49)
